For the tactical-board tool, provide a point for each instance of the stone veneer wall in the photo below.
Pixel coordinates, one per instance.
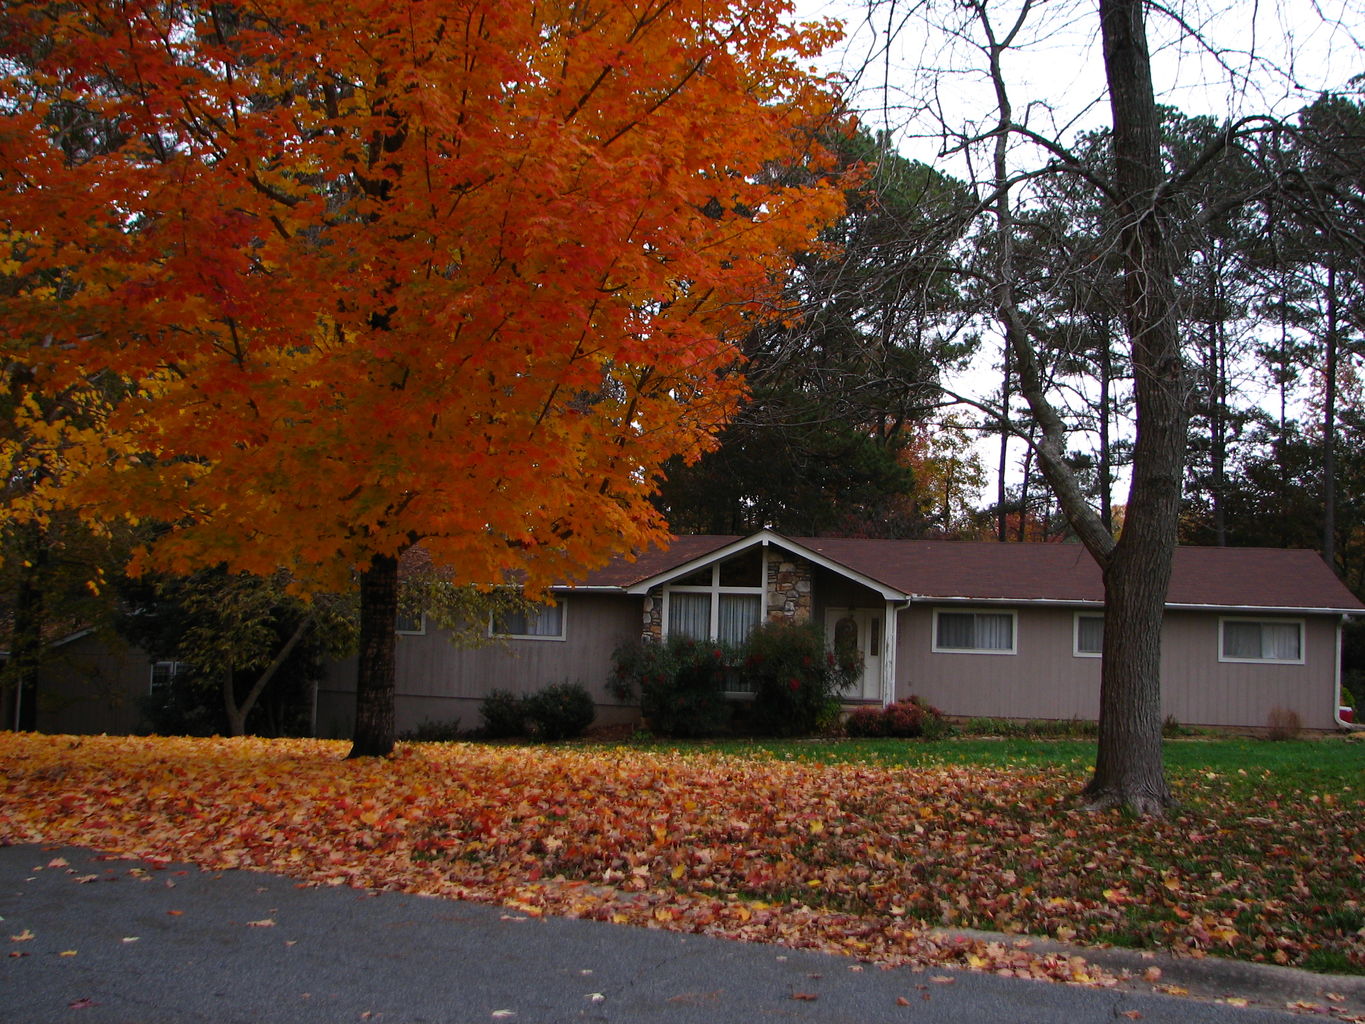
(654, 615)
(789, 595)
(789, 587)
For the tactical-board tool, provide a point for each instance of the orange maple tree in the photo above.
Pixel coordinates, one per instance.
(377, 274)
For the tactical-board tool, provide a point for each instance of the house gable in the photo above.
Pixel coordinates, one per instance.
(767, 538)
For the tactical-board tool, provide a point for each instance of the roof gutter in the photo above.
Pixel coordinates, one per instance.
(1054, 602)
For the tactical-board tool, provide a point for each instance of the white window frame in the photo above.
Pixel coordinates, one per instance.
(715, 590)
(421, 629)
(176, 667)
(1076, 651)
(1014, 631)
(1269, 620)
(535, 610)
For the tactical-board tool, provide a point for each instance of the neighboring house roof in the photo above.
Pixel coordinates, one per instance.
(1228, 578)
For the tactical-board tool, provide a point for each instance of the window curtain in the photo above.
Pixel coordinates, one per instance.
(1280, 641)
(1090, 634)
(965, 631)
(1262, 641)
(1241, 639)
(544, 621)
(994, 632)
(956, 630)
(738, 615)
(689, 615)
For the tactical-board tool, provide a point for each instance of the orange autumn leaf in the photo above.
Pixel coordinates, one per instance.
(571, 831)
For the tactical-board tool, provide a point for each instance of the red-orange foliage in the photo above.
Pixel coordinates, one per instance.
(378, 273)
(387, 271)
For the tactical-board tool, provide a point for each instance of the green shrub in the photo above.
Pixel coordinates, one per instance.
(906, 719)
(1347, 700)
(795, 679)
(680, 684)
(433, 732)
(504, 715)
(559, 712)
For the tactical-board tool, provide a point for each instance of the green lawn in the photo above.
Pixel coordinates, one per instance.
(1332, 761)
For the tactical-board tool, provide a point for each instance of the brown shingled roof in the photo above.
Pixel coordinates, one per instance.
(622, 573)
(1219, 577)
(1060, 573)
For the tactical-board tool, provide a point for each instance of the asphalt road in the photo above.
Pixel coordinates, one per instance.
(108, 941)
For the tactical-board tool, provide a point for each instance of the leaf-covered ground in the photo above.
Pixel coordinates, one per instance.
(858, 857)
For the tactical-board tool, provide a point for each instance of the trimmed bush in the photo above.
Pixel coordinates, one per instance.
(680, 684)
(504, 715)
(905, 719)
(434, 732)
(795, 679)
(559, 712)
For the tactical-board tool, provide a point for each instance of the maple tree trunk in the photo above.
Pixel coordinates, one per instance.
(26, 642)
(374, 688)
(1128, 766)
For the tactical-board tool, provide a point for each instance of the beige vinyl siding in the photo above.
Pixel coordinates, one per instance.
(438, 681)
(1199, 689)
(1044, 679)
(1041, 679)
(92, 684)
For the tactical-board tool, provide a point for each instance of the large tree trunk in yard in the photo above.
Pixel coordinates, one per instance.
(374, 688)
(1128, 768)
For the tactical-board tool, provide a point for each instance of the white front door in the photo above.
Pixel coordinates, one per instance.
(863, 627)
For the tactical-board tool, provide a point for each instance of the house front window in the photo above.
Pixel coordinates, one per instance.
(164, 674)
(544, 622)
(974, 632)
(717, 602)
(1088, 635)
(1273, 641)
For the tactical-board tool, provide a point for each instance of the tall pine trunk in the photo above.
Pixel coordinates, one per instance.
(374, 688)
(1329, 424)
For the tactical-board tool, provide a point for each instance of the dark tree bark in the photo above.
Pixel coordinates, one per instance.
(1329, 423)
(1128, 767)
(374, 692)
(28, 622)
(1001, 511)
(1106, 461)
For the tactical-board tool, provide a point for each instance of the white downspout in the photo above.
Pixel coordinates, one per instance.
(890, 641)
(1336, 689)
